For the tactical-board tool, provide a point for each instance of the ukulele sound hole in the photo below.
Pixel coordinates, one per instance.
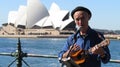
(79, 57)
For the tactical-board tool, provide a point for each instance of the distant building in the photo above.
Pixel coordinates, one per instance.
(37, 20)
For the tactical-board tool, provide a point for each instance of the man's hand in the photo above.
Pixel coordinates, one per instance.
(98, 50)
(75, 48)
(72, 49)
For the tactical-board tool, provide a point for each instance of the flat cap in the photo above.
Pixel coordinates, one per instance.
(81, 8)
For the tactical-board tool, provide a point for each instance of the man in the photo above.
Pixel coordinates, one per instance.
(86, 40)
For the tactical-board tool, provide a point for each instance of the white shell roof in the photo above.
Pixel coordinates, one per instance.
(55, 18)
(12, 17)
(57, 15)
(35, 13)
(21, 16)
(41, 22)
(65, 23)
(48, 22)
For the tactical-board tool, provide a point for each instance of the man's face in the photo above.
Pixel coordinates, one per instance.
(81, 18)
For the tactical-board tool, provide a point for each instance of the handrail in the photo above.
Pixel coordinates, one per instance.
(50, 56)
(31, 55)
(114, 61)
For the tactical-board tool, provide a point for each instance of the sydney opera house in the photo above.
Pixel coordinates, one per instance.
(36, 19)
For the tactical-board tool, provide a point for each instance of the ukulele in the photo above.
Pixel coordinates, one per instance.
(79, 56)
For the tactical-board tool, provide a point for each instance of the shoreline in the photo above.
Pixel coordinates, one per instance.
(52, 36)
(34, 36)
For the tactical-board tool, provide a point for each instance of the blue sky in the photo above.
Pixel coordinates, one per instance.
(105, 13)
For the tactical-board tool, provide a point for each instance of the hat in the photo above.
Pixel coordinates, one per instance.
(80, 8)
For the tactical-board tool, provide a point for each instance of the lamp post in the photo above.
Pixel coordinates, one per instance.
(19, 56)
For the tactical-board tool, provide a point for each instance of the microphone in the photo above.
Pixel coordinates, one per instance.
(77, 27)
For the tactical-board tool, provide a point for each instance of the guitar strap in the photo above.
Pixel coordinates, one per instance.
(100, 36)
(85, 38)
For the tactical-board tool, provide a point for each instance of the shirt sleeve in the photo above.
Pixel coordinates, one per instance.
(65, 47)
(107, 56)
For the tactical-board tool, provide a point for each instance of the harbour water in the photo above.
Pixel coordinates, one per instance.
(46, 46)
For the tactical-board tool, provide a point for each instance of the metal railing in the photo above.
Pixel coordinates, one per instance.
(19, 56)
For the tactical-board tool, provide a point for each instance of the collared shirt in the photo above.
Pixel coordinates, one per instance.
(86, 42)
